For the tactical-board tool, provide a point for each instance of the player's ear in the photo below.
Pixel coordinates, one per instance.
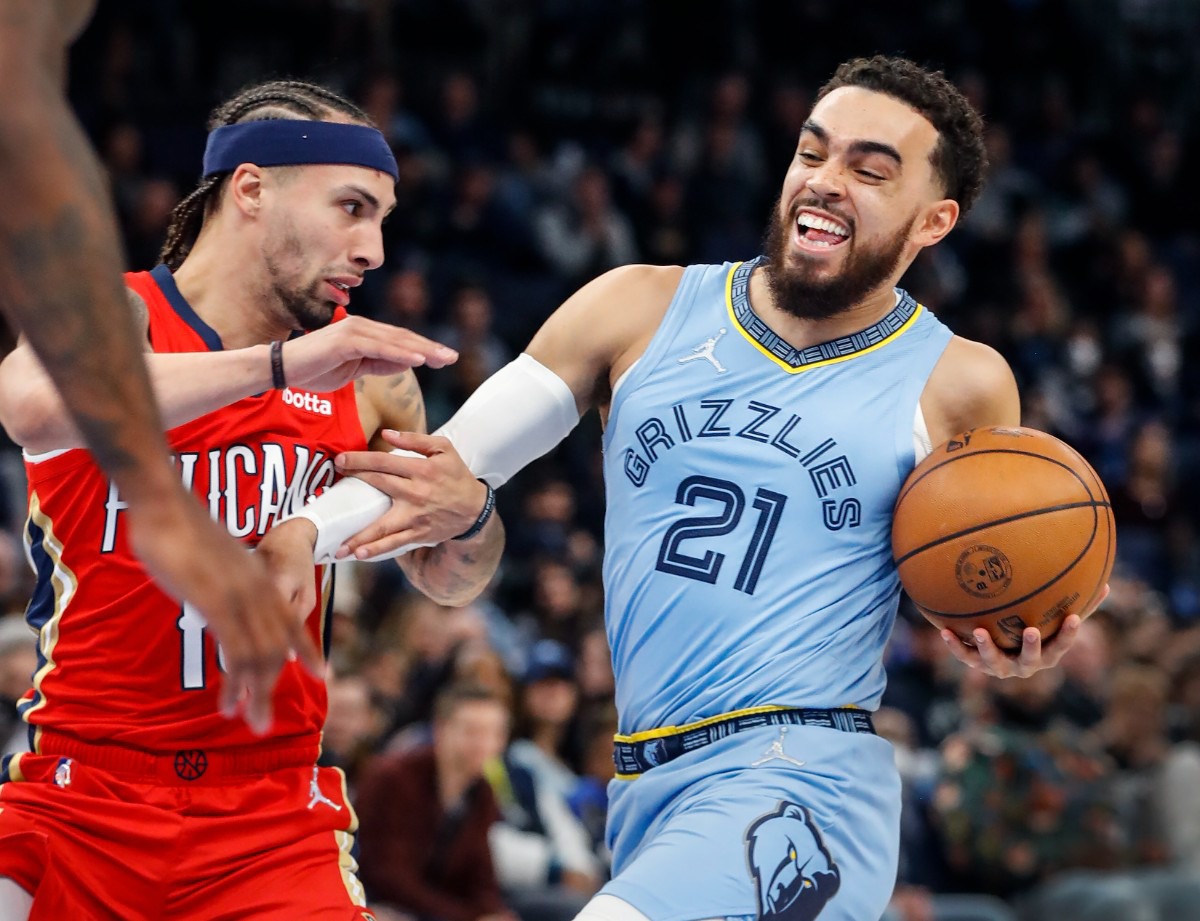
(937, 220)
(246, 188)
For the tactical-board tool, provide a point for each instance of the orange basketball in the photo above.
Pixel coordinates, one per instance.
(1003, 528)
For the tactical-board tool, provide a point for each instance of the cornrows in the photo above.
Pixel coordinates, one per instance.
(274, 99)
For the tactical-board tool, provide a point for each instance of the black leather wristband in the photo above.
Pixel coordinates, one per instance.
(489, 506)
(278, 381)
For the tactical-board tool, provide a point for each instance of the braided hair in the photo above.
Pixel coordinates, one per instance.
(260, 102)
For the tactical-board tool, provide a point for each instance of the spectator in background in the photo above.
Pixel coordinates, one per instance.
(18, 661)
(1087, 673)
(469, 331)
(547, 705)
(150, 216)
(425, 815)
(1145, 502)
(1022, 797)
(353, 726)
(665, 234)
(587, 235)
(1156, 779)
(544, 856)
(461, 129)
(637, 163)
(382, 98)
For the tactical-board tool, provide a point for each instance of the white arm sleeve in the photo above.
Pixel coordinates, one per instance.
(345, 509)
(516, 416)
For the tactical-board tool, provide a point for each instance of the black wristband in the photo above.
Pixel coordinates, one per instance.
(278, 381)
(489, 506)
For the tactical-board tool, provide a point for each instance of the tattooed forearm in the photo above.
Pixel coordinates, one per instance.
(455, 572)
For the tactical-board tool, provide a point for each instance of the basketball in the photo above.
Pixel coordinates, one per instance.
(1003, 528)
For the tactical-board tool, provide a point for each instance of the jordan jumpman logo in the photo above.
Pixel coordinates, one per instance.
(705, 350)
(314, 790)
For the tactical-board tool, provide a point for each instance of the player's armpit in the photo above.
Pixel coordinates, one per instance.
(971, 386)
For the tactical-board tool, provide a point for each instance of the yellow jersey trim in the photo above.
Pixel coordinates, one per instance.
(699, 724)
(816, 364)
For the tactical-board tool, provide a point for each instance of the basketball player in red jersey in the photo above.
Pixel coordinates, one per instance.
(60, 265)
(139, 801)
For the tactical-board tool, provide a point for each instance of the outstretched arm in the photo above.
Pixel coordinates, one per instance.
(523, 410)
(190, 384)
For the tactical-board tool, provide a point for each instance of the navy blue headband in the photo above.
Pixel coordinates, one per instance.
(294, 142)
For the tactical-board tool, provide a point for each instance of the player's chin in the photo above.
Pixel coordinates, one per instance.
(318, 315)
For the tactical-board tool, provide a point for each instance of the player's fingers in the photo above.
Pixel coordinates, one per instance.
(231, 693)
(1030, 658)
(257, 705)
(958, 648)
(372, 532)
(378, 462)
(308, 654)
(992, 656)
(386, 544)
(390, 342)
(1061, 644)
(415, 441)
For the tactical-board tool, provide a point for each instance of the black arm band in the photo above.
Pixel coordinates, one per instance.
(489, 506)
(278, 381)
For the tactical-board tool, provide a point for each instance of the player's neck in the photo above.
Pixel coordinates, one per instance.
(801, 332)
(228, 295)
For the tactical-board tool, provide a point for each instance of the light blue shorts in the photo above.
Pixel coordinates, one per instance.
(734, 830)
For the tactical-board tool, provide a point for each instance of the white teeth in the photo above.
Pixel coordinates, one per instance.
(344, 287)
(821, 223)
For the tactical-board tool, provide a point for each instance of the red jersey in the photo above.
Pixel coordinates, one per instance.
(119, 661)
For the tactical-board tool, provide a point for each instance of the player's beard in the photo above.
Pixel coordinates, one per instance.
(800, 292)
(302, 305)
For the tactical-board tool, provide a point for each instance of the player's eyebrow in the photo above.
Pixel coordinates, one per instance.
(858, 147)
(369, 198)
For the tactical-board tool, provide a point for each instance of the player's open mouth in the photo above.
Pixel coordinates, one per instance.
(819, 232)
(340, 290)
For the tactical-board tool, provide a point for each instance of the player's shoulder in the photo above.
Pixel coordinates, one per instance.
(622, 303)
(638, 281)
(971, 386)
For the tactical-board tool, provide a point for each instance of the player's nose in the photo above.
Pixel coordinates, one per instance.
(367, 248)
(826, 181)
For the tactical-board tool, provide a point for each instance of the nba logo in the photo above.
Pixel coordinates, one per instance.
(62, 773)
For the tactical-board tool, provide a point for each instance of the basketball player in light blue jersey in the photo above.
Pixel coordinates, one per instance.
(760, 417)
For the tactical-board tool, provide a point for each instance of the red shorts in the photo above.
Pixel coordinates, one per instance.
(262, 835)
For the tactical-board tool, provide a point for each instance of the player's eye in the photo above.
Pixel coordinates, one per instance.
(809, 156)
(352, 207)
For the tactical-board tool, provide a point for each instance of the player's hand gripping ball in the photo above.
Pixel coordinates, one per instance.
(1003, 528)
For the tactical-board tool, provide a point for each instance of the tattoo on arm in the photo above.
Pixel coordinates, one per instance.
(455, 572)
(402, 405)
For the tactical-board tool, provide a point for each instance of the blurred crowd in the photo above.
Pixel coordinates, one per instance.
(541, 143)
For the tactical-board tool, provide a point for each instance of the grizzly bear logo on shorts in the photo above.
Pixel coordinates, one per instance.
(794, 873)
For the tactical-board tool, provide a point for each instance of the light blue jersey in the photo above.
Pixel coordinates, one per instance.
(748, 569)
(750, 493)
